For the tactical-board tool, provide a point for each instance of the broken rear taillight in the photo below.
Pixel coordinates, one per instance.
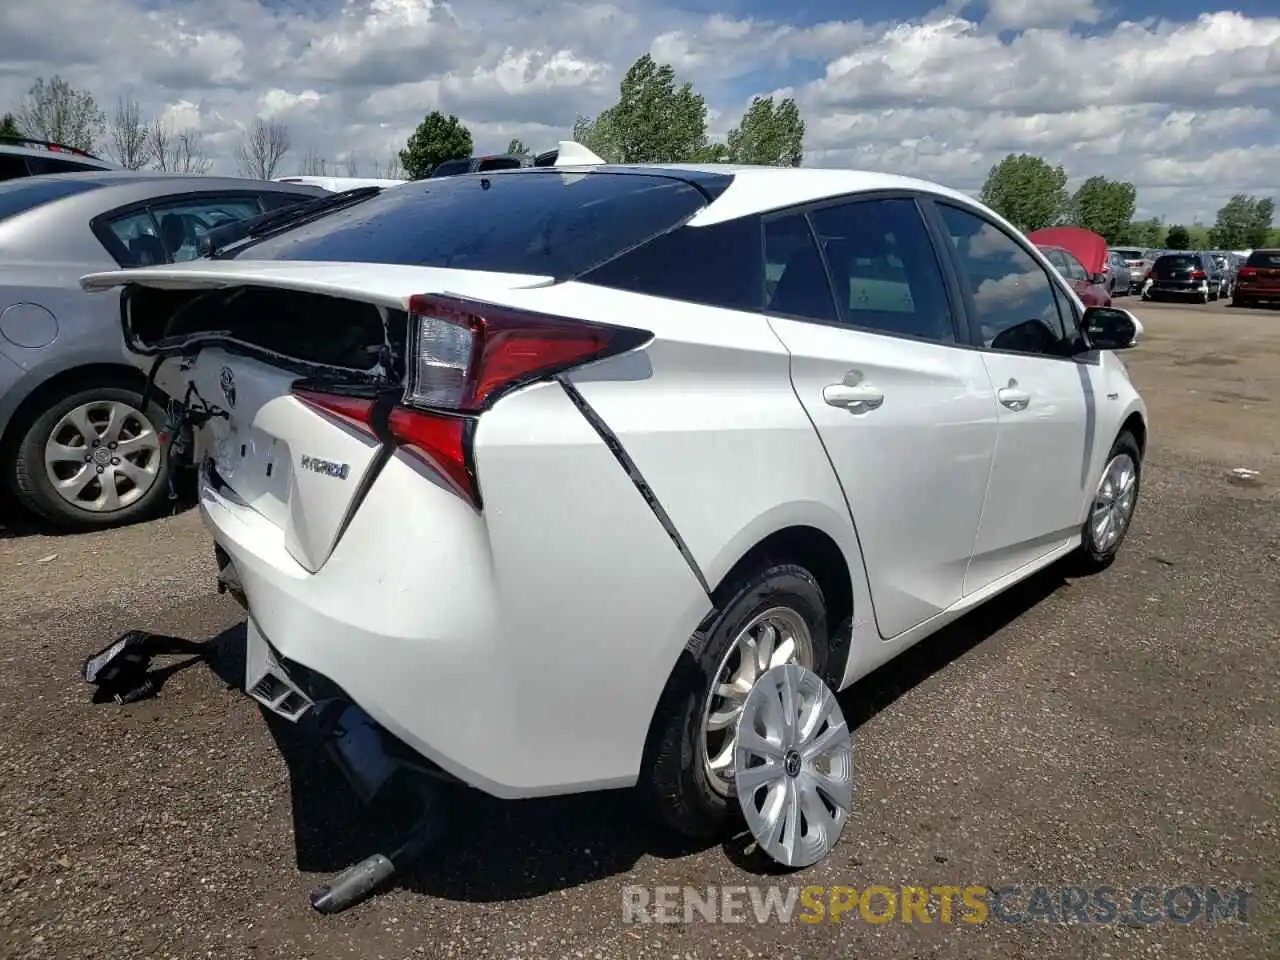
(462, 356)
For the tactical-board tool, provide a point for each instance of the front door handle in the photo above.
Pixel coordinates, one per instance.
(853, 397)
(1014, 397)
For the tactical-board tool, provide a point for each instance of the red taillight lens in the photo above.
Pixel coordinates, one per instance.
(1247, 273)
(440, 440)
(1198, 274)
(464, 353)
(355, 412)
(443, 443)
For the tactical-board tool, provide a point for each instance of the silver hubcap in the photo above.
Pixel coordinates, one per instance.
(1113, 504)
(775, 637)
(793, 766)
(102, 456)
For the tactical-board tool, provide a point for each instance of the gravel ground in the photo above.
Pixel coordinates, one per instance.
(1119, 730)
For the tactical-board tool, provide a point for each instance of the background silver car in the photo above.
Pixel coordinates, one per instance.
(75, 446)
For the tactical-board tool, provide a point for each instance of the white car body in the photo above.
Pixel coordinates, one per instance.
(339, 184)
(523, 647)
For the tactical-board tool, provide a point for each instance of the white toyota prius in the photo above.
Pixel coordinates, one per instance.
(540, 469)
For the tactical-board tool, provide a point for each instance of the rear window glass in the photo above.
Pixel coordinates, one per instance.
(542, 222)
(451, 167)
(19, 196)
(1128, 253)
(1264, 258)
(1179, 262)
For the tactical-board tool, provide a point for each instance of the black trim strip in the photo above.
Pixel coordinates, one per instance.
(637, 478)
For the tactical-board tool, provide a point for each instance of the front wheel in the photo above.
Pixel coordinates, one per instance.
(1114, 502)
(775, 616)
(92, 459)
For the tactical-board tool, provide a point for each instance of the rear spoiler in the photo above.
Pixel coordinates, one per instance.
(49, 145)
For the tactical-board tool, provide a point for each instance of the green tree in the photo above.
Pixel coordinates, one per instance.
(437, 139)
(770, 134)
(1105, 207)
(654, 120)
(1179, 238)
(1146, 233)
(1243, 222)
(9, 126)
(54, 110)
(1027, 192)
(516, 148)
(597, 136)
(1259, 231)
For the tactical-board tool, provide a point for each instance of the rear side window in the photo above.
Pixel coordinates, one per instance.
(12, 166)
(717, 265)
(541, 222)
(499, 163)
(1264, 258)
(451, 167)
(884, 270)
(19, 196)
(42, 165)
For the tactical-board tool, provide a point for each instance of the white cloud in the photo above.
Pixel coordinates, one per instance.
(1187, 110)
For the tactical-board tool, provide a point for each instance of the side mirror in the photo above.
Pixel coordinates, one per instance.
(1110, 328)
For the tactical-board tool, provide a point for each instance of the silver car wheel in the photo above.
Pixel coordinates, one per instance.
(1114, 502)
(102, 456)
(776, 636)
(793, 766)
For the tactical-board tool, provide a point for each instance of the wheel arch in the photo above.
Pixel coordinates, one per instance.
(64, 381)
(1136, 424)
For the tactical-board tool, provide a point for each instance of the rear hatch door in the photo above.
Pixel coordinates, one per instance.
(233, 338)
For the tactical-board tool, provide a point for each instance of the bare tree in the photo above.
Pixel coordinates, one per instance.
(189, 155)
(258, 156)
(176, 151)
(394, 169)
(127, 136)
(352, 165)
(313, 165)
(54, 110)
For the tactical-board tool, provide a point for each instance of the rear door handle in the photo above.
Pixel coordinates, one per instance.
(853, 397)
(1014, 397)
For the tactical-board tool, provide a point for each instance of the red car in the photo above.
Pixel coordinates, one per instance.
(1258, 279)
(1090, 288)
(1080, 255)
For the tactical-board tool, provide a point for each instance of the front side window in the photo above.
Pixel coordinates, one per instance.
(1014, 304)
(883, 268)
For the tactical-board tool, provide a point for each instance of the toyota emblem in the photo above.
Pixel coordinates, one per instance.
(227, 380)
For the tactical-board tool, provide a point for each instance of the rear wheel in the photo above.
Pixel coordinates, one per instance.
(1241, 302)
(92, 459)
(775, 616)
(1114, 502)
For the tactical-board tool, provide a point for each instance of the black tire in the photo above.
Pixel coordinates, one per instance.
(1241, 302)
(674, 783)
(1088, 558)
(33, 489)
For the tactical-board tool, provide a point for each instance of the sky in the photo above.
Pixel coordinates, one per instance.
(1179, 98)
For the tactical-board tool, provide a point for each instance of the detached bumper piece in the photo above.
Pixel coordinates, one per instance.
(122, 671)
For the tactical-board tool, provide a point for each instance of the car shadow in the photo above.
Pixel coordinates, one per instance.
(495, 850)
(17, 523)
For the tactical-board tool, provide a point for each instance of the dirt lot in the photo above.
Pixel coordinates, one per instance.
(1120, 730)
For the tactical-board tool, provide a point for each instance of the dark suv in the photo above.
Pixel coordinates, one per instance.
(452, 168)
(24, 157)
(1190, 275)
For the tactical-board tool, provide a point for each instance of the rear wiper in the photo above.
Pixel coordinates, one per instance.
(224, 239)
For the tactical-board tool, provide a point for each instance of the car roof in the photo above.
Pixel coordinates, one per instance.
(759, 189)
